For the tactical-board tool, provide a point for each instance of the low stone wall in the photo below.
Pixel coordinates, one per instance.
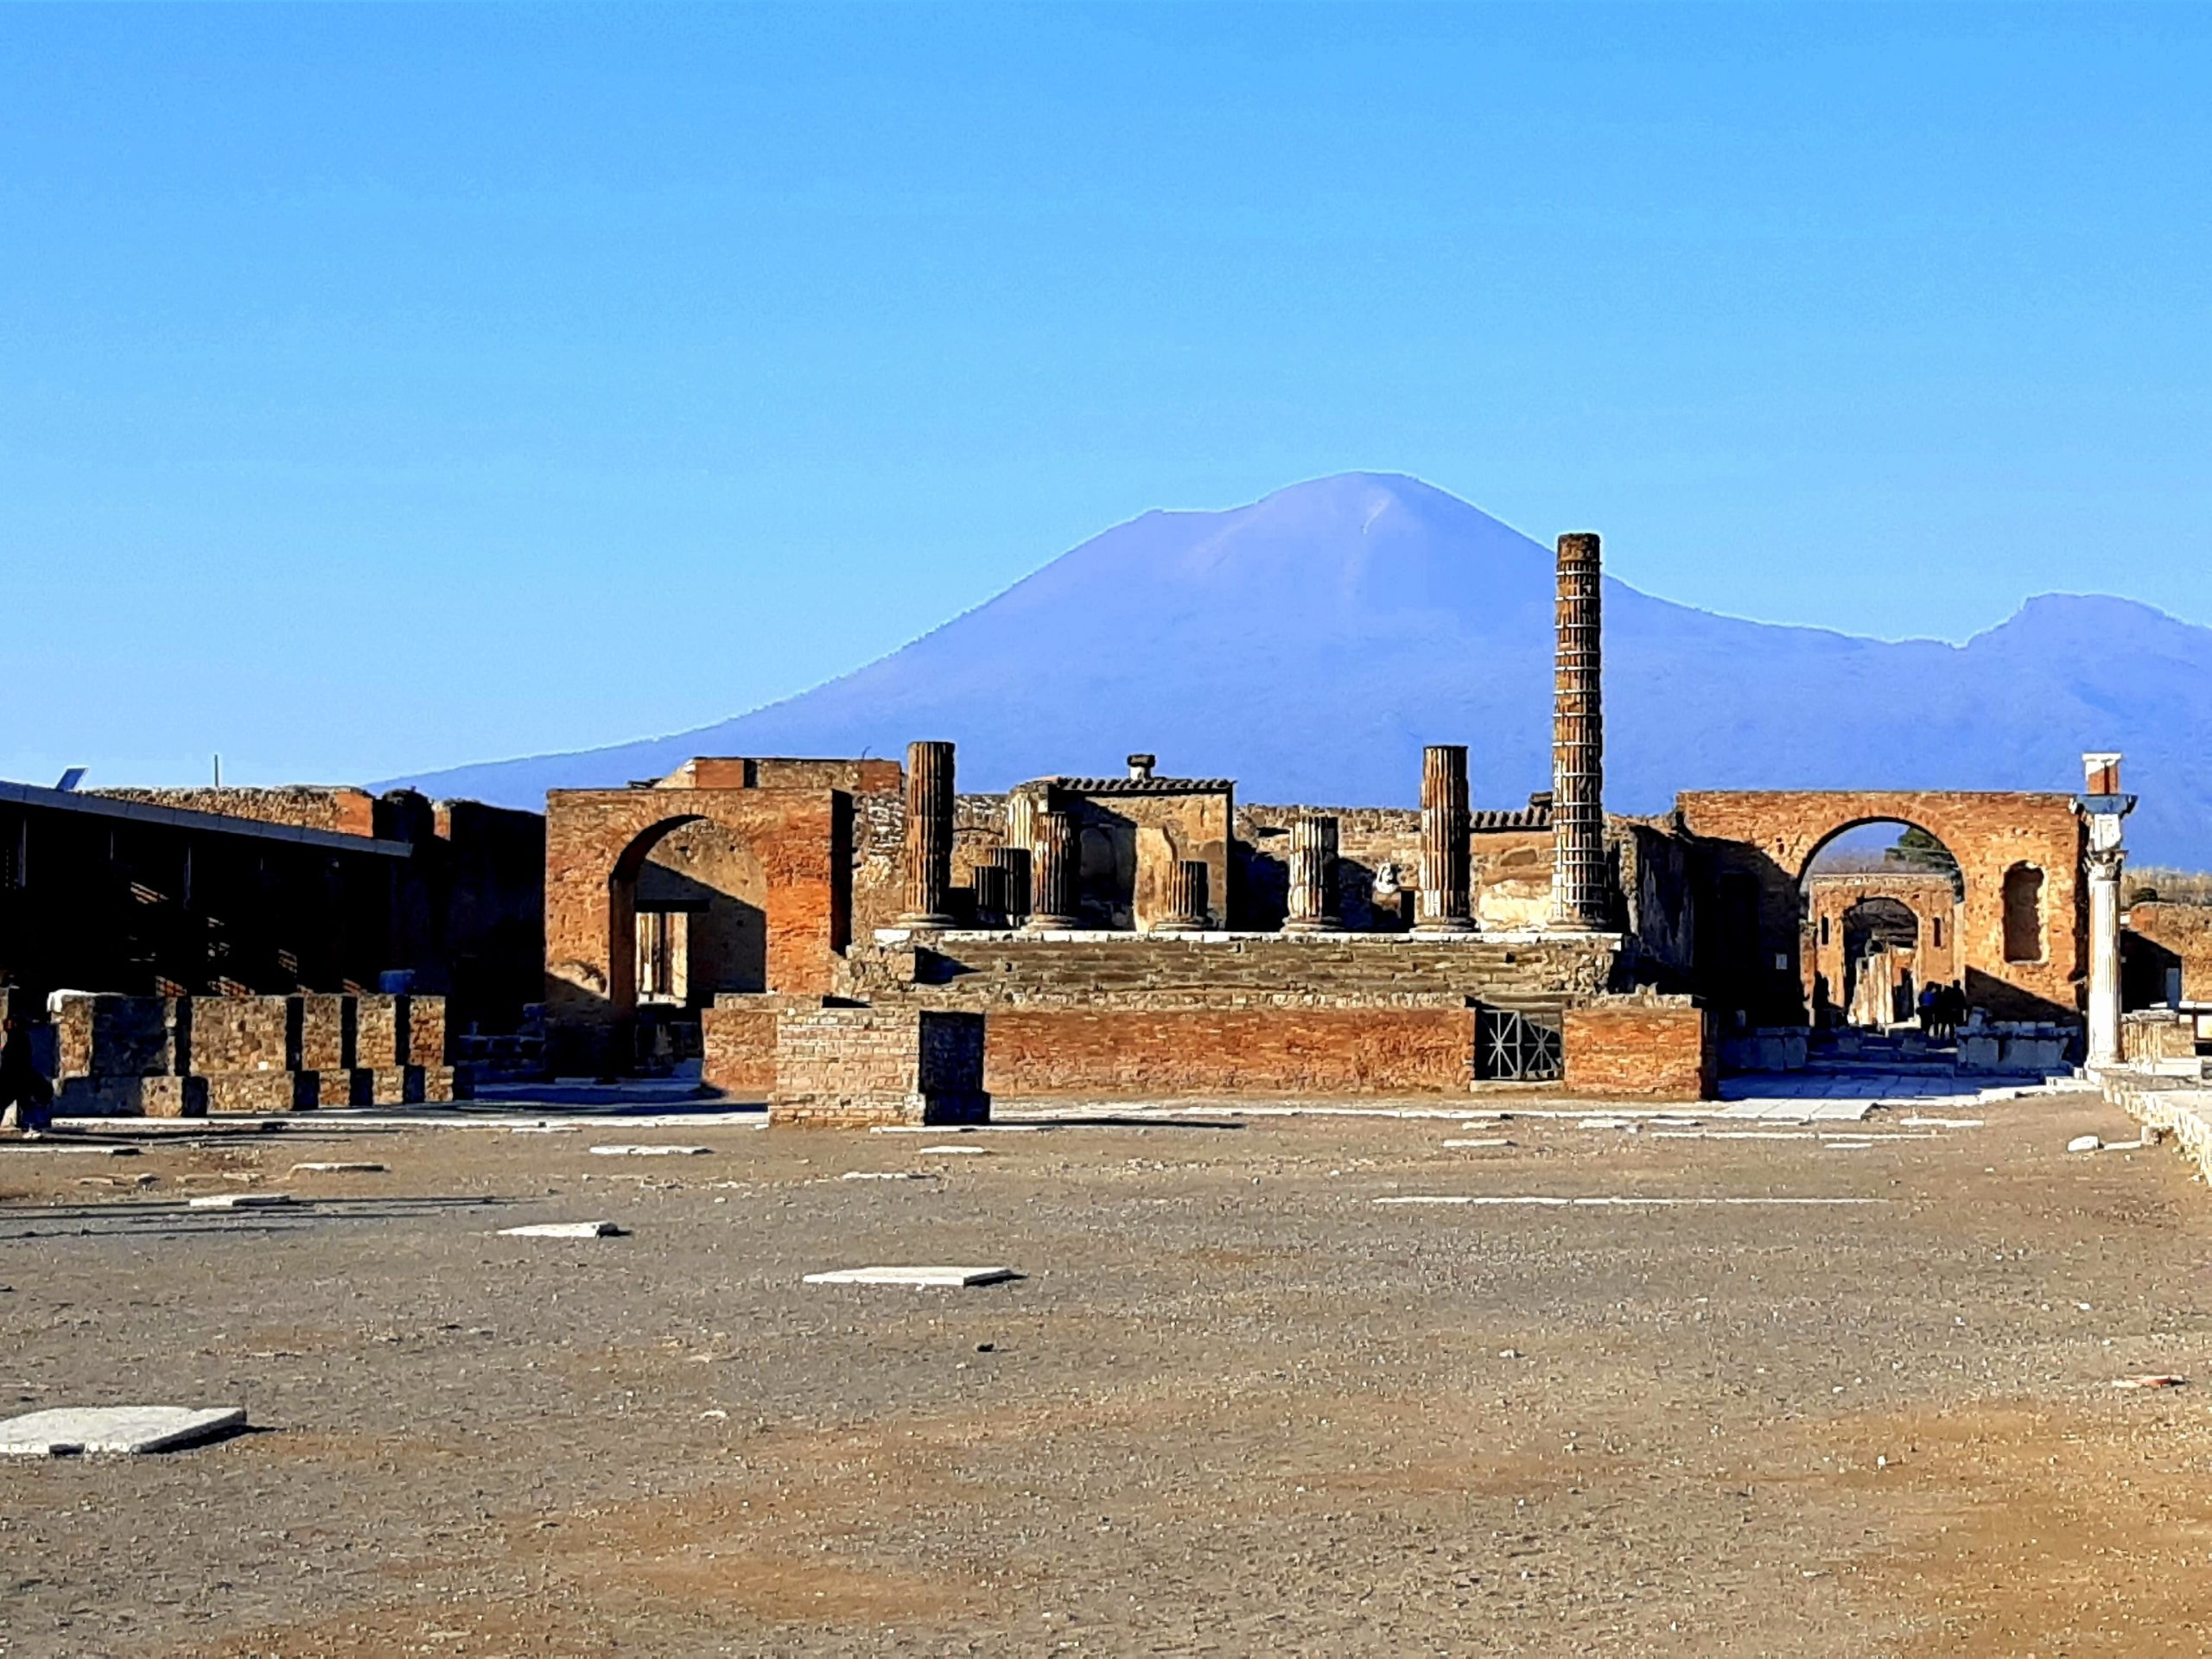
(2022, 1048)
(1641, 1048)
(738, 1041)
(184, 1056)
(1110, 1052)
(2164, 1109)
(846, 1067)
(2161, 1040)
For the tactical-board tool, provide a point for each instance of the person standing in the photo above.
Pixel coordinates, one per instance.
(22, 1085)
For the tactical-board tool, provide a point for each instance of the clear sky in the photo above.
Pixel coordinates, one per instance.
(392, 388)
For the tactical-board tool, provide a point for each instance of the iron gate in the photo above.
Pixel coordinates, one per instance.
(1511, 1046)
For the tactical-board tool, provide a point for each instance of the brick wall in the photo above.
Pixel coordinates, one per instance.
(1119, 1052)
(737, 1040)
(849, 1068)
(1641, 1048)
(343, 810)
(2182, 936)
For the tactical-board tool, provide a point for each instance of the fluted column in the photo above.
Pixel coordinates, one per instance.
(1313, 876)
(990, 895)
(1052, 864)
(1013, 865)
(928, 835)
(1187, 897)
(1580, 898)
(1445, 905)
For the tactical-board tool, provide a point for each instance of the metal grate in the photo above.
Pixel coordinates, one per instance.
(1514, 1048)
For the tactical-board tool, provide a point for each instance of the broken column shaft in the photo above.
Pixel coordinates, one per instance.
(1013, 865)
(1581, 896)
(1445, 905)
(928, 835)
(1052, 863)
(1313, 876)
(1187, 897)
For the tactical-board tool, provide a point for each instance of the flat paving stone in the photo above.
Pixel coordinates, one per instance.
(563, 1229)
(952, 1151)
(339, 1169)
(241, 1201)
(950, 1278)
(650, 1152)
(883, 1175)
(69, 1431)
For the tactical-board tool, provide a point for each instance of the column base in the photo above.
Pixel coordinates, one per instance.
(1179, 924)
(1041, 922)
(1313, 925)
(1442, 924)
(938, 920)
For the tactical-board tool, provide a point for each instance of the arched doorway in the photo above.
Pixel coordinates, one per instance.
(1883, 904)
(687, 920)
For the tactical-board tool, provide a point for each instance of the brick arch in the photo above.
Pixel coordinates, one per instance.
(596, 842)
(1769, 838)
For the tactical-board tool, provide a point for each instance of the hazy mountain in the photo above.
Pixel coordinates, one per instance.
(1308, 644)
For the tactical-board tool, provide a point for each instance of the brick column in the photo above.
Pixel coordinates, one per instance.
(1186, 899)
(928, 835)
(1444, 907)
(1053, 867)
(1580, 898)
(1313, 876)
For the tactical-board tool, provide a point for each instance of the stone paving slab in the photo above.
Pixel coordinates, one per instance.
(241, 1201)
(950, 1278)
(69, 1431)
(650, 1151)
(563, 1229)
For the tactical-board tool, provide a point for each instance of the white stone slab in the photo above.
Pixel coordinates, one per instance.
(340, 1168)
(68, 1430)
(952, 1278)
(885, 1174)
(563, 1229)
(1486, 1140)
(953, 1152)
(240, 1201)
(650, 1152)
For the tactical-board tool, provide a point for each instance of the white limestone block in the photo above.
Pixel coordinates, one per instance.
(650, 1152)
(953, 1152)
(338, 1169)
(563, 1229)
(68, 1431)
(240, 1201)
(882, 1175)
(951, 1278)
(2084, 1143)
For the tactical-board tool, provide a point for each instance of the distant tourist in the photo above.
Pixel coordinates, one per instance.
(24, 1087)
(1931, 1010)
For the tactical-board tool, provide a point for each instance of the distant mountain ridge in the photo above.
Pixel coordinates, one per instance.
(1309, 644)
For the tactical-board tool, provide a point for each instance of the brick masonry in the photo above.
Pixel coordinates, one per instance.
(2176, 936)
(1295, 1052)
(843, 1067)
(1641, 1048)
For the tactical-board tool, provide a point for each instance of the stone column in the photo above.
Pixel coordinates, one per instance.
(2104, 867)
(1580, 900)
(1013, 863)
(1313, 876)
(1187, 897)
(1053, 863)
(990, 895)
(928, 835)
(1444, 907)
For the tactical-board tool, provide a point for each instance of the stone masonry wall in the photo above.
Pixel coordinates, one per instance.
(1641, 1048)
(341, 811)
(853, 1068)
(2183, 936)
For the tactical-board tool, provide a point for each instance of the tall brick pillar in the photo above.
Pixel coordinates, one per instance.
(1186, 899)
(1445, 905)
(1053, 867)
(1581, 900)
(1313, 876)
(928, 835)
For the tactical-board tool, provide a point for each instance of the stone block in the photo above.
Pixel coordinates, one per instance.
(261, 1092)
(101, 1035)
(1641, 1048)
(563, 1229)
(424, 1032)
(132, 1097)
(913, 1278)
(379, 1031)
(241, 1034)
(72, 1431)
(323, 1033)
(399, 1085)
(856, 1067)
(340, 1086)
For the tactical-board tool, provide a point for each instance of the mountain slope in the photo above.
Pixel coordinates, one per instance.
(1308, 644)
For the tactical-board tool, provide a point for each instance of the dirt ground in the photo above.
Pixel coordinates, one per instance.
(1235, 1406)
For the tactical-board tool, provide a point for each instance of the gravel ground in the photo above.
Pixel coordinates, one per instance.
(1236, 1406)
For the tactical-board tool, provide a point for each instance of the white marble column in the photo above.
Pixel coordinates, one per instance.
(2104, 867)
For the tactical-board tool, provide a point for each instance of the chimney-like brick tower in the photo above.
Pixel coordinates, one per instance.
(1580, 896)
(928, 835)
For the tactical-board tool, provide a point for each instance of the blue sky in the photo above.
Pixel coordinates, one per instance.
(388, 389)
